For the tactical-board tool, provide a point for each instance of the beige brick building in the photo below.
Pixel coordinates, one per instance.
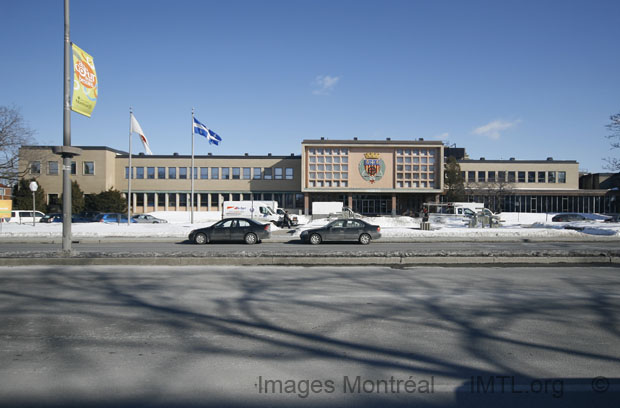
(370, 176)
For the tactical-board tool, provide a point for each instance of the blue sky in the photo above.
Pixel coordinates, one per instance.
(524, 79)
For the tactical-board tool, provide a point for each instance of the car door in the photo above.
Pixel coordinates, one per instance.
(239, 229)
(353, 230)
(335, 231)
(221, 231)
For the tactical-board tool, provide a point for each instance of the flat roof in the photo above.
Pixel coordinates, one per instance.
(516, 161)
(362, 142)
(202, 156)
(80, 147)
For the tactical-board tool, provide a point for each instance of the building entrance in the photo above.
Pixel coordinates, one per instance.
(372, 204)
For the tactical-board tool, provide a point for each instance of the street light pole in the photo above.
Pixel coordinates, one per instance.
(33, 187)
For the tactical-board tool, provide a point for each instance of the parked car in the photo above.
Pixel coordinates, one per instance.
(343, 230)
(25, 216)
(613, 218)
(148, 219)
(568, 217)
(113, 218)
(57, 217)
(232, 229)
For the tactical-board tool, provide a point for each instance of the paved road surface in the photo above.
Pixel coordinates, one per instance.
(296, 247)
(231, 336)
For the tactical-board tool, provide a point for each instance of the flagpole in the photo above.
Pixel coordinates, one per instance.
(191, 172)
(129, 174)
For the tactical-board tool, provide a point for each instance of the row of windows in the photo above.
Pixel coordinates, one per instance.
(284, 200)
(328, 152)
(514, 176)
(213, 173)
(88, 168)
(415, 152)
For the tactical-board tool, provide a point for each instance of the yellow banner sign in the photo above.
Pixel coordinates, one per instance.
(5, 208)
(85, 84)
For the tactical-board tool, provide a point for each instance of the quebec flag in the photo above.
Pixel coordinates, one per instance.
(202, 130)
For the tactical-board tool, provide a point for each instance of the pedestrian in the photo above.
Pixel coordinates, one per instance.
(287, 220)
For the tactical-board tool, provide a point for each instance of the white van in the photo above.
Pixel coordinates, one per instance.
(25, 216)
(258, 210)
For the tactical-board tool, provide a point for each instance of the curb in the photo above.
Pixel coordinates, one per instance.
(314, 261)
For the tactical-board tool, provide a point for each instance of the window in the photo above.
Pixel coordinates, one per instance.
(35, 167)
(551, 177)
(481, 175)
(521, 177)
(195, 173)
(471, 176)
(172, 172)
(267, 173)
(541, 176)
(511, 176)
(501, 176)
(161, 172)
(215, 173)
(161, 199)
(215, 200)
(127, 173)
(204, 173)
(247, 173)
(257, 173)
(140, 198)
(182, 200)
(89, 168)
(531, 176)
(182, 173)
(150, 172)
(73, 168)
(150, 198)
(561, 177)
(225, 173)
(491, 177)
(52, 168)
(236, 173)
(278, 173)
(139, 172)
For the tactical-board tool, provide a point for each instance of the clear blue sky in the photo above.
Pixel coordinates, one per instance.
(525, 79)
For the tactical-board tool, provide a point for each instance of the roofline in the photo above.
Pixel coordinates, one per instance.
(362, 142)
(516, 161)
(79, 147)
(187, 156)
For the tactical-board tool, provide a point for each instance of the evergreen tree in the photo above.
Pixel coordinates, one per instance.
(455, 186)
(22, 196)
(106, 201)
(77, 198)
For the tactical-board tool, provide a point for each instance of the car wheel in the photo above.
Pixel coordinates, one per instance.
(201, 239)
(364, 239)
(251, 238)
(315, 239)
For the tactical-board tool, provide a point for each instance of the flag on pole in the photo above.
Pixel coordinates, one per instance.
(135, 128)
(210, 135)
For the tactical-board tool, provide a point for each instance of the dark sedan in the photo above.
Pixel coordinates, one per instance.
(568, 217)
(232, 229)
(343, 230)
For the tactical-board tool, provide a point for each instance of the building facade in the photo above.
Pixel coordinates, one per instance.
(372, 177)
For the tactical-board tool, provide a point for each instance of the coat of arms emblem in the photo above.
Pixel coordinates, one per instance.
(372, 167)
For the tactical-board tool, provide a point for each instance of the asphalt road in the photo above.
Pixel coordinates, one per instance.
(296, 247)
(289, 336)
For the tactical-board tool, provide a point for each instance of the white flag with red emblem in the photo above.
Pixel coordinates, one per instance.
(135, 128)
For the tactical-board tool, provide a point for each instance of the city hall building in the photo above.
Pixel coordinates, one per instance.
(371, 176)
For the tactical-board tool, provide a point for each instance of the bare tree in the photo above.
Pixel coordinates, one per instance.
(14, 133)
(493, 193)
(613, 163)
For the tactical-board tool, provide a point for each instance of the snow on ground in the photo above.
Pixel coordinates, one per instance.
(179, 226)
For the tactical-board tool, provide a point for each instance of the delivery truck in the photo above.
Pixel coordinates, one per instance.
(257, 210)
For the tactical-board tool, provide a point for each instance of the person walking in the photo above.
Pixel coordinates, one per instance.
(286, 222)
